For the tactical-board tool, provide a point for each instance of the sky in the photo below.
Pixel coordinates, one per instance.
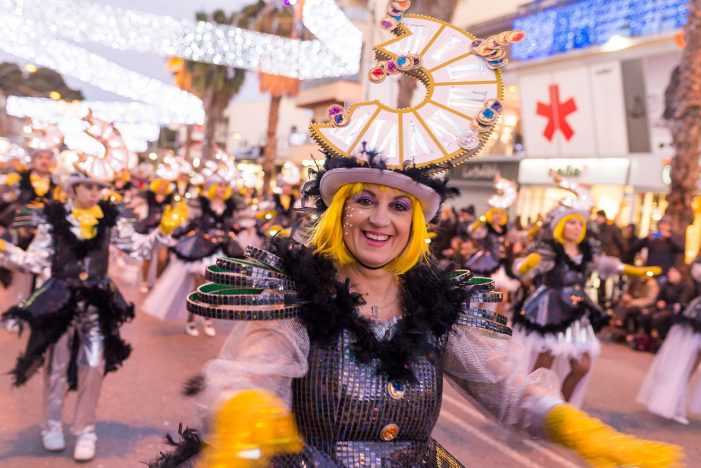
(151, 65)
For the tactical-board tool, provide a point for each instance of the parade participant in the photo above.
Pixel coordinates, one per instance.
(286, 200)
(210, 233)
(152, 204)
(78, 302)
(495, 244)
(352, 334)
(558, 322)
(183, 188)
(28, 191)
(673, 384)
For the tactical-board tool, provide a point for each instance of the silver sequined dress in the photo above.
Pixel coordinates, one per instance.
(351, 415)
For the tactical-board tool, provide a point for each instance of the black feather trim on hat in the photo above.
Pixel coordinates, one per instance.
(432, 305)
(421, 175)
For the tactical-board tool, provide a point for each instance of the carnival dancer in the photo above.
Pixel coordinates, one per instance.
(151, 206)
(209, 234)
(673, 384)
(558, 322)
(351, 335)
(78, 302)
(28, 191)
(497, 244)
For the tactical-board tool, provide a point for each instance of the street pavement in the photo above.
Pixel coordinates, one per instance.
(143, 401)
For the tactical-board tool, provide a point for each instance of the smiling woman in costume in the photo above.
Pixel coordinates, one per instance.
(341, 345)
(557, 324)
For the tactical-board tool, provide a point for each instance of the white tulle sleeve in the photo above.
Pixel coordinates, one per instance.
(257, 355)
(491, 370)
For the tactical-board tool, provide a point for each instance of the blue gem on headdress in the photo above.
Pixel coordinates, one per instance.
(401, 61)
(488, 114)
(338, 118)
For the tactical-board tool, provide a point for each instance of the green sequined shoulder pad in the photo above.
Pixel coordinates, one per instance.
(480, 291)
(254, 288)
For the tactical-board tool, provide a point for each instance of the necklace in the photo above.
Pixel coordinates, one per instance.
(375, 310)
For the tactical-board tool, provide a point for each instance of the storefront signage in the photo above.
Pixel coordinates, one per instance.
(586, 23)
(485, 171)
(595, 171)
(574, 111)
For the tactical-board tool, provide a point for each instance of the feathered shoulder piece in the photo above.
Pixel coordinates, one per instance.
(371, 159)
(291, 281)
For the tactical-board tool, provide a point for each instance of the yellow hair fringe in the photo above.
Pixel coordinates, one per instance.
(558, 232)
(327, 233)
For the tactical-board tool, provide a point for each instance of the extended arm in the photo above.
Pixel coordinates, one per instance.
(126, 239)
(35, 259)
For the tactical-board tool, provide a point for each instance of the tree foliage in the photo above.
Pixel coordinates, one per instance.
(16, 82)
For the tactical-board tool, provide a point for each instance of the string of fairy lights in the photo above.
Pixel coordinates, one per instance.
(50, 33)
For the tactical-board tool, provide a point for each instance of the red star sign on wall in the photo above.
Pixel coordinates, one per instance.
(556, 112)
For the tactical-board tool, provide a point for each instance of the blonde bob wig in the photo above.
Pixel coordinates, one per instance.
(327, 233)
(558, 231)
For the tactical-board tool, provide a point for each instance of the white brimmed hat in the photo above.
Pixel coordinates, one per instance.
(334, 179)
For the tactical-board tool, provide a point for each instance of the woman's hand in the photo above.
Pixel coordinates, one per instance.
(603, 446)
(249, 429)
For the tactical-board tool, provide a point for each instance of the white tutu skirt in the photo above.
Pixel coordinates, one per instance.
(667, 390)
(578, 339)
(167, 299)
(504, 282)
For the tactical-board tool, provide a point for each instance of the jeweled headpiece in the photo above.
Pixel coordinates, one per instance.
(449, 126)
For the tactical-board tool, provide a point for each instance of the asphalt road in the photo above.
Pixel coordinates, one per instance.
(142, 401)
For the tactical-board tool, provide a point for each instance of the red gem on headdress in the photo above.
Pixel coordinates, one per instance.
(517, 36)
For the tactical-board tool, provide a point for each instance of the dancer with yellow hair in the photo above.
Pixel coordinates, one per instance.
(209, 233)
(150, 206)
(558, 322)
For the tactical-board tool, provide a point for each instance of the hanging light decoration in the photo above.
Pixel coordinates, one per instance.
(336, 52)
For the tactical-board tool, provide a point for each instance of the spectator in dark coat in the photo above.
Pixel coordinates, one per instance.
(610, 236)
(664, 247)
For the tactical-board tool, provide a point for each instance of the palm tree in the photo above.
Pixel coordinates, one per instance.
(277, 86)
(683, 111)
(439, 9)
(216, 85)
(282, 22)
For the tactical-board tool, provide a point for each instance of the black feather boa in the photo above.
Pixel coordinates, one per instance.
(51, 310)
(585, 248)
(188, 447)
(432, 305)
(55, 213)
(312, 187)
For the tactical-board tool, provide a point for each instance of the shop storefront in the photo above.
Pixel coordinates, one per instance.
(475, 179)
(606, 176)
(649, 182)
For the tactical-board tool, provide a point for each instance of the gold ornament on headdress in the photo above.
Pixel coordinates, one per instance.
(452, 123)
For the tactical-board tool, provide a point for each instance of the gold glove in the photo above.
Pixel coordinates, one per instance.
(630, 270)
(3, 245)
(172, 218)
(603, 446)
(529, 263)
(249, 429)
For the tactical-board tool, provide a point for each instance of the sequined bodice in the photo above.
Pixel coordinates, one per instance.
(341, 400)
(563, 275)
